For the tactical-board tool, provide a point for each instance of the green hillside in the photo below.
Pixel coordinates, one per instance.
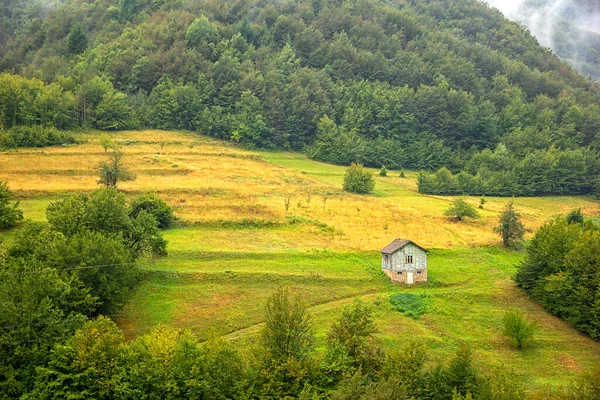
(407, 84)
(235, 243)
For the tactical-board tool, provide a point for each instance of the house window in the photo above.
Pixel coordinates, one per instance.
(399, 272)
(418, 272)
(408, 259)
(387, 259)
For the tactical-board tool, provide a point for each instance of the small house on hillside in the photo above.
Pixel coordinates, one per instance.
(404, 261)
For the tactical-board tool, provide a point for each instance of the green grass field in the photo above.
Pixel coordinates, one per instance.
(236, 244)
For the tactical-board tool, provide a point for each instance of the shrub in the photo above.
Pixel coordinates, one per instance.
(358, 179)
(9, 213)
(34, 136)
(383, 171)
(517, 328)
(461, 209)
(409, 304)
(153, 205)
(576, 217)
(113, 170)
(510, 227)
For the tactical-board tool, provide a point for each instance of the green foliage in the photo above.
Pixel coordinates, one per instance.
(354, 331)
(499, 111)
(561, 271)
(460, 209)
(77, 42)
(461, 375)
(10, 214)
(359, 386)
(34, 136)
(87, 364)
(408, 365)
(358, 180)
(201, 30)
(482, 202)
(510, 227)
(287, 333)
(106, 211)
(287, 343)
(576, 217)
(106, 142)
(383, 171)
(113, 112)
(155, 206)
(38, 309)
(517, 328)
(112, 171)
(413, 305)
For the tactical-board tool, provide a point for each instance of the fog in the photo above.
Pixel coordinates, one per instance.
(543, 16)
(570, 27)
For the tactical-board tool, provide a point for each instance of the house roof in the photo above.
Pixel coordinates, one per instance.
(397, 245)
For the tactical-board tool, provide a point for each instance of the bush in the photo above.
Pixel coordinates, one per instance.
(461, 209)
(510, 227)
(517, 328)
(34, 136)
(383, 171)
(409, 304)
(358, 179)
(153, 205)
(9, 214)
(576, 217)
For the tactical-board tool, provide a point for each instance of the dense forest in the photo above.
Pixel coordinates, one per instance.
(407, 84)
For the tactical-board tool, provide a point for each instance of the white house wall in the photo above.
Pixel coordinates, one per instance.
(397, 259)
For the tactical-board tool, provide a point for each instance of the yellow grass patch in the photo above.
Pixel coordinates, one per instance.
(206, 180)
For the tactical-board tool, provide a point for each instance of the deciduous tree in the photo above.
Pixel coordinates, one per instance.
(510, 227)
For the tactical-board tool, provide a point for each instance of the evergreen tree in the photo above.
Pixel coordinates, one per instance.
(77, 41)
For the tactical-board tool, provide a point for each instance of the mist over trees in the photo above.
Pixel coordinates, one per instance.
(570, 28)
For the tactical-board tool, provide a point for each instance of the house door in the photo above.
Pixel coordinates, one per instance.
(410, 278)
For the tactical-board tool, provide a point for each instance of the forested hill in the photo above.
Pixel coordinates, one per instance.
(406, 83)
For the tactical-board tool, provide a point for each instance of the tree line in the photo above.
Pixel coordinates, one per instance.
(97, 362)
(499, 173)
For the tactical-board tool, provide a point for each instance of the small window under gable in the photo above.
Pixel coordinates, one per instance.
(408, 259)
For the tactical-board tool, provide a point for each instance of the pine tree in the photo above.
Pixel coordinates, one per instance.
(77, 42)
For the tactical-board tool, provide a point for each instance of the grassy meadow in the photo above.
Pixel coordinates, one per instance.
(252, 221)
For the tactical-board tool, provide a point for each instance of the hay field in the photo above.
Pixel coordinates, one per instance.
(237, 241)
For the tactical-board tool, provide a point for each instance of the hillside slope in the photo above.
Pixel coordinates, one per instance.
(237, 243)
(415, 84)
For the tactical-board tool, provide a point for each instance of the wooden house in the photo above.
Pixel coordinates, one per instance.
(404, 261)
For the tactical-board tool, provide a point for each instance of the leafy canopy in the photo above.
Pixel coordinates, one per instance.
(358, 179)
(510, 227)
(10, 214)
(460, 209)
